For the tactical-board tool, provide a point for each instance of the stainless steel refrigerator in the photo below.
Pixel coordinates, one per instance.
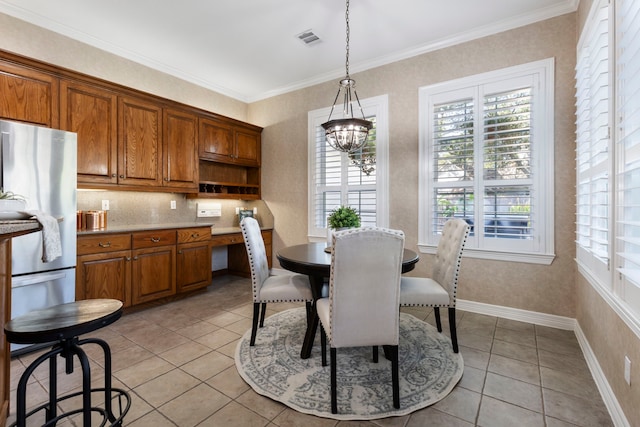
(40, 164)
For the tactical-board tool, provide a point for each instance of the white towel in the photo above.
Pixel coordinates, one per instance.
(51, 246)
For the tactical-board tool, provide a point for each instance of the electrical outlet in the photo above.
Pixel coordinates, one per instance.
(173, 204)
(105, 205)
(627, 370)
(237, 210)
(255, 211)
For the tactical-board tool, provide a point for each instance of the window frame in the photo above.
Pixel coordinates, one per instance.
(611, 284)
(377, 106)
(541, 73)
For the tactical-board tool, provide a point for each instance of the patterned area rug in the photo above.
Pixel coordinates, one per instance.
(429, 370)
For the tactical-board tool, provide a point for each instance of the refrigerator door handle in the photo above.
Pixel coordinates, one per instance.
(3, 136)
(18, 281)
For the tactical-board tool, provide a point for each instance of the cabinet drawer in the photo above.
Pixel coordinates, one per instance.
(149, 239)
(226, 239)
(103, 243)
(198, 234)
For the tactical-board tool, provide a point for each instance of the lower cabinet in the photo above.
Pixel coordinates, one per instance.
(140, 267)
(104, 267)
(153, 273)
(193, 259)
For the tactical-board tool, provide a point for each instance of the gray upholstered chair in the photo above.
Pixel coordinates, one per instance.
(440, 289)
(267, 288)
(364, 294)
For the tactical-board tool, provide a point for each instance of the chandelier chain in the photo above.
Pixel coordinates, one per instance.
(347, 20)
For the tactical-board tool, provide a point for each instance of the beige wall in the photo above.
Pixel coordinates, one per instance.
(547, 289)
(611, 340)
(28, 40)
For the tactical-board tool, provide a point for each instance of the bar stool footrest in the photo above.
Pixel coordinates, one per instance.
(123, 403)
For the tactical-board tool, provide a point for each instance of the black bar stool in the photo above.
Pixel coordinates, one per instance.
(63, 324)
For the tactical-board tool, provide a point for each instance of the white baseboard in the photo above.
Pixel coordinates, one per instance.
(560, 322)
(542, 319)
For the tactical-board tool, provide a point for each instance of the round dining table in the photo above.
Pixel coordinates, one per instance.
(312, 260)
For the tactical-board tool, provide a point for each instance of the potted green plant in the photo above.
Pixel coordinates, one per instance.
(344, 217)
(339, 219)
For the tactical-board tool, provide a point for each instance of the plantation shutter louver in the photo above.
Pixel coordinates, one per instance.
(592, 146)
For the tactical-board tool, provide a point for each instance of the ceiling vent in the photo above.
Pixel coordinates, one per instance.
(308, 37)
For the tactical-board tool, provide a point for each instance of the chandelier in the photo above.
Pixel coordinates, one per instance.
(349, 133)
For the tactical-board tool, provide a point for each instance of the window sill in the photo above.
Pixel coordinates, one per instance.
(529, 258)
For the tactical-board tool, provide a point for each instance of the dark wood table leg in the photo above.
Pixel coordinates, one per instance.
(312, 326)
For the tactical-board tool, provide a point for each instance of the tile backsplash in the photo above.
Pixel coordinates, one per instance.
(133, 207)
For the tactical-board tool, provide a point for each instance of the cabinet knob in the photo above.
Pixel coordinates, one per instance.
(113, 175)
(166, 179)
(128, 258)
(104, 245)
(135, 258)
(180, 252)
(155, 239)
(195, 235)
(122, 176)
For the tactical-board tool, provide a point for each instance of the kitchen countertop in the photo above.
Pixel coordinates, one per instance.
(18, 226)
(147, 227)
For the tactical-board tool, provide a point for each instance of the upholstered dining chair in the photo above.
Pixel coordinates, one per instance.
(440, 289)
(267, 288)
(364, 293)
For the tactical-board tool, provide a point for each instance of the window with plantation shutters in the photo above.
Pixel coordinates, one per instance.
(593, 160)
(358, 179)
(485, 144)
(628, 156)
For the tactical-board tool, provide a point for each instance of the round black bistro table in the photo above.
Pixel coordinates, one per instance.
(312, 260)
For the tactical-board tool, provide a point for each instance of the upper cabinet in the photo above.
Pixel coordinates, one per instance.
(229, 164)
(92, 113)
(226, 143)
(28, 95)
(130, 140)
(180, 149)
(139, 143)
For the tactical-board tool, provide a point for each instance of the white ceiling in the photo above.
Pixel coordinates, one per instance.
(248, 49)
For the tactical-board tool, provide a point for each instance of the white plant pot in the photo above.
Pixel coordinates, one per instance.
(8, 205)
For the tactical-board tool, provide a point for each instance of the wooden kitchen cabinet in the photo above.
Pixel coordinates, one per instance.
(104, 267)
(139, 143)
(5, 314)
(180, 150)
(226, 143)
(92, 112)
(153, 270)
(134, 141)
(229, 154)
(28, 95)
(193, 258)
(143, 266)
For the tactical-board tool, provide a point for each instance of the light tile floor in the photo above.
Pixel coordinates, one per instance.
(177, 362)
